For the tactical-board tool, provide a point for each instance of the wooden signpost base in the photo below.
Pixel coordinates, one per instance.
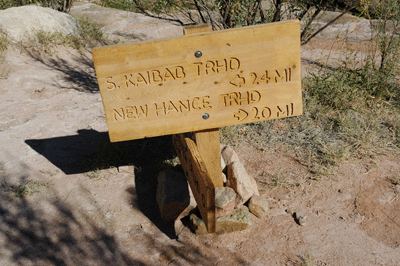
(209, 148)
(198, 177)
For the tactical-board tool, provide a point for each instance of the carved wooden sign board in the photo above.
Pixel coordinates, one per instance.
(200, 81)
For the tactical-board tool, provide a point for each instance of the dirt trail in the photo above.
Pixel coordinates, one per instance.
(52, 129)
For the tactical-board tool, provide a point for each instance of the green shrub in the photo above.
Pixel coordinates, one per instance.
(221, 14)
(60, 5)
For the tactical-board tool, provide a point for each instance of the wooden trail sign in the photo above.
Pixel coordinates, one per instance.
(201, 81)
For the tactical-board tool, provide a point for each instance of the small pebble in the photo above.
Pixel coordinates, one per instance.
(301, 218)
(289, 211)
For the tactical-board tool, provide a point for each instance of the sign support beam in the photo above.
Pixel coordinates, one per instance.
(198, 177)
(209, 147)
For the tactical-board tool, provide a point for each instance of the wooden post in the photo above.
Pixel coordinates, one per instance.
(209, 147)
(199, 179)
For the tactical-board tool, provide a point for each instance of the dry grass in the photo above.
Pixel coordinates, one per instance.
(307, 260)
(351, 105)
(29, 187)
(90, 35)
(4, 42)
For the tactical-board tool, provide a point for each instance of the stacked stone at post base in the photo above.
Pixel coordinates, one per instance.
(226, 201)
(231, 214)
(237, 220)
(258, 206)
(172, 195)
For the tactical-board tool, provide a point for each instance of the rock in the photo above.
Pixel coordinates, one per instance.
(229, 155)
(238, 220)
(243, 184)
(172, 195)
(290, 211)
(192, 205)
(126, 169)
(301, 218)
(19, 23)
(224, 178)
(178, 224)
(223, 165)
(192, 202)
(258, 206)
(354, 28)
(225, 201)
(128, 26)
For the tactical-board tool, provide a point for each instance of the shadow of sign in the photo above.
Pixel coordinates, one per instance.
(71, 154)
(91, 150)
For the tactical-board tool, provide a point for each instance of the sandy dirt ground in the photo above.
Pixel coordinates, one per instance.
(53, 129)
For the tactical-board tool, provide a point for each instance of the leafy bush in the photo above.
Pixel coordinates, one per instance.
(221, 14)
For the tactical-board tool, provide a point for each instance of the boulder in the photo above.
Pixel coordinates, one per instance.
(173, 195)
(20, 23)
(128, 26)
(238, 220)
(243, 184)
(258, 206)
(349, 26)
